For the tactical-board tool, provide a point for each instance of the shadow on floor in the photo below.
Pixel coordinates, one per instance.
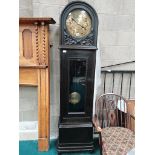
(31, 148)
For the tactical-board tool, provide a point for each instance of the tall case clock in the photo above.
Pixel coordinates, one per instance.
(78, 45)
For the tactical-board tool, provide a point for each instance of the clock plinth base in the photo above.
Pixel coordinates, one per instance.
(75, 137)
(75, 148)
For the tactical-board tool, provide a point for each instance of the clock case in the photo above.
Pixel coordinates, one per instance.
(75, 128)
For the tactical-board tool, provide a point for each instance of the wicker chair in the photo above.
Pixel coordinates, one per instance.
(112, 122)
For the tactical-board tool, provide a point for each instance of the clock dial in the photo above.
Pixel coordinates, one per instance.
(78, 23)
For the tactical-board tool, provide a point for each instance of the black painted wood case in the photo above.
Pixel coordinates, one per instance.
(78, 45)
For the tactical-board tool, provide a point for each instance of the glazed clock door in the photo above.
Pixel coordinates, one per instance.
(78, 70)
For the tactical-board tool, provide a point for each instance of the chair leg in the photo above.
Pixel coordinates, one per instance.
(100, 143)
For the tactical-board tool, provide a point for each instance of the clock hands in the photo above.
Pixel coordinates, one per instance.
(78, 23)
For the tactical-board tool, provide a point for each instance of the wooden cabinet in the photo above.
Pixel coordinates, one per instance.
(34, 69)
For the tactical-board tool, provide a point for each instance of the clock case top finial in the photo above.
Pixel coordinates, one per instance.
(87, 42)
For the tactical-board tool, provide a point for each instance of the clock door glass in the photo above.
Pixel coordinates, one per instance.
(77, 85)
(78, 23)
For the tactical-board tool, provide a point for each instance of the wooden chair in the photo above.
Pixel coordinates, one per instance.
(112, 122)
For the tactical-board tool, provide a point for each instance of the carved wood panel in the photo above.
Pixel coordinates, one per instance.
(33, 45)
(43, 45)
(27, 48)
(27, 44)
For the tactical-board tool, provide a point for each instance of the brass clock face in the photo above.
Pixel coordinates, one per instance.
(78, 23)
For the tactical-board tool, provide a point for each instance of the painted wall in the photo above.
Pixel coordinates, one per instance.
(116, 45)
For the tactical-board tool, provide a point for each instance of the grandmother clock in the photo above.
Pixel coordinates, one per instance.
(78, 45)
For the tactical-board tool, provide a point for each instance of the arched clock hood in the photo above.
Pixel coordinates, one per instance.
(88, 40)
